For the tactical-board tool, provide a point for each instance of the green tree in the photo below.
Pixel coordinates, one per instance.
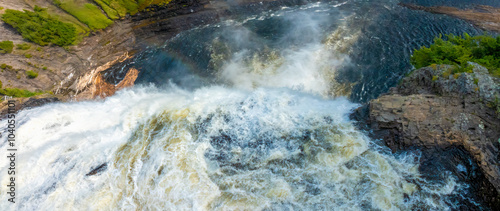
(458, 50)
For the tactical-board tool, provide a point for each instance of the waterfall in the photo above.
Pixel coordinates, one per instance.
(266, 129)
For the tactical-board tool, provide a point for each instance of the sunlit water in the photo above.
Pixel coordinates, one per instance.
(249, 116)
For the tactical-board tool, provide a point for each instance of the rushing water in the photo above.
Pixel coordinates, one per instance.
(246, 114)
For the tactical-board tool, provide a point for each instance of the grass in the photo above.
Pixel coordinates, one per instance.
(24, 46)
(15, 92)
(27, 55)
(458, 50)
(6, 46)
(40, 27)
(87, 13)
(31, 74)
(110, 12)
(124, 7)
(68, 21)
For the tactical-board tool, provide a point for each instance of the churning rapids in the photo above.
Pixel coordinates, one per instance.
(259, 122)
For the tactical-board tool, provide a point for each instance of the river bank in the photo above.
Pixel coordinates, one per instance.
(453, 121)
(73, 73)
(482, 16)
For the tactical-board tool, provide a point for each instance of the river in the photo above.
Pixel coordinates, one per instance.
(250, 113)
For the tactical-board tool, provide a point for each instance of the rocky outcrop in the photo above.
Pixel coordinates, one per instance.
(24, 103)
(482, 16)
(434, 111)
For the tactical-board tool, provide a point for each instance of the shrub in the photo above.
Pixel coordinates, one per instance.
(458, 50)
(1, 84)
(6, 46)
(27, 55)
(3, 66)
(31, 74)
(39, 27)
(15, 92)
(24, 46)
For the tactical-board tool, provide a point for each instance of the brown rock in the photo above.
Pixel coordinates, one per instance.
(484, 17)
(436, 115)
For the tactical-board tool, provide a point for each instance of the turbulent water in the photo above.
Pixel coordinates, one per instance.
(246, 114)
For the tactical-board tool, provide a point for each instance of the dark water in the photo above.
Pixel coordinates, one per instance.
(379, 57)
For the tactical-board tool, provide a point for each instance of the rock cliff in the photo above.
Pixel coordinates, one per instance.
(433, 111)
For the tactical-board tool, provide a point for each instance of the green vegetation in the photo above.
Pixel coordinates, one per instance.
(1, 84)
(120, 8)
(5, 66)
(15, 92)
(24, 46)
(31, 74)
(458, 50)
(27, 55)
(6, 46)
(110, 12)
(87, 13)
(39, 27)
(44, 29)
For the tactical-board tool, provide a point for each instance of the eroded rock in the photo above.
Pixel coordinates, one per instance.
(435, 111)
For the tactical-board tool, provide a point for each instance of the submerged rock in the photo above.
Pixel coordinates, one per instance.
(435, 111)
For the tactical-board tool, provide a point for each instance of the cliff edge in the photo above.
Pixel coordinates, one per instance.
(453, 119)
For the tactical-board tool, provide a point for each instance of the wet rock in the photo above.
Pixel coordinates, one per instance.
(25, 103)
(435, 112)
(32, 102)
(98, 169)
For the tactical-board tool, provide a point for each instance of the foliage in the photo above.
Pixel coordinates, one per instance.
(1, 84)
(15, 92)
(6, 46)
(87, 13)
(5, 66)
(39, 27)
(27, 55)
(458, 50)
(110, 12)
(31, 74)
(24, 46)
